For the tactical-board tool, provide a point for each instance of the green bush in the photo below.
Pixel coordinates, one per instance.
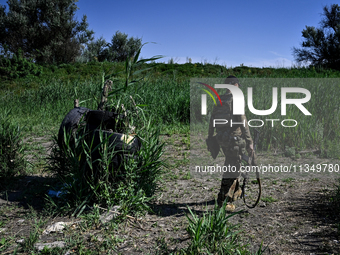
(88, 179)
(12, 160)
(93, 171)
(16, 66)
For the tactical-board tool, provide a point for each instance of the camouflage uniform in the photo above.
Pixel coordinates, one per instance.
(234, 141)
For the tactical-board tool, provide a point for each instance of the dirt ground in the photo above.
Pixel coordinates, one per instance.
(295, 215)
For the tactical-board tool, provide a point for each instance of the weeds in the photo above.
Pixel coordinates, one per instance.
(269, 199)
(288, 180)
(106, 168)
(213, 234)
(12, 161)
(161, 246)
(5, 243)
(92, 220)
(52, 251)
(28, 243)
(289, 152)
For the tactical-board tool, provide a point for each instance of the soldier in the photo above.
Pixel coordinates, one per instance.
(234, 140)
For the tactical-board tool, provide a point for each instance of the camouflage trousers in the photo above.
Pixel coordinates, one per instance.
(230, 184)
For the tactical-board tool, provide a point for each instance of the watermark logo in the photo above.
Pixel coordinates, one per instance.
(239, 102)
(238, 99)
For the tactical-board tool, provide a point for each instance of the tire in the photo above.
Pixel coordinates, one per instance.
(71, 122)
(126, 146)
(105, 120)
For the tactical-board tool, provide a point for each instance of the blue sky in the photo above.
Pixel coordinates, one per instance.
(254, 33)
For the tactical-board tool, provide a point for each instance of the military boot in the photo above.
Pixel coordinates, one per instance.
(220, 199)
(237, 194)
(224, 190)
(230, 207)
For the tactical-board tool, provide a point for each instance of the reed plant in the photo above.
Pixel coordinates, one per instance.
(96, 172)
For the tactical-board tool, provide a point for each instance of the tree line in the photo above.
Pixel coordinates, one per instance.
(46, 32)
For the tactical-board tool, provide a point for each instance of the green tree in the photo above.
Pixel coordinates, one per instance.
(97, 50)
(45, 30)
(121, 47)
(321, 46)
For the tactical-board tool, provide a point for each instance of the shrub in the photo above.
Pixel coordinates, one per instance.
(17, 66)
(214, 234)
(89, 179)
(12, 159)
(95, 170)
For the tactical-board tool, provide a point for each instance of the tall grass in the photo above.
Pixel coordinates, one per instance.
(166, 101)
(164, 96)
(313, 132)
(12, 158)
(41, 102)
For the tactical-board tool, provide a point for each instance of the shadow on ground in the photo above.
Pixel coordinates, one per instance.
(27, 191)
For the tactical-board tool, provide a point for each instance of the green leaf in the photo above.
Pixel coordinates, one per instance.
(137, 55)
(150, 59)
(140, 71)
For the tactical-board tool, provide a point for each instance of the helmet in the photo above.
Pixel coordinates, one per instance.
(232, 80)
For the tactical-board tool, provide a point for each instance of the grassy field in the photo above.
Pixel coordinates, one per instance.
(40, 103)
(42, 107)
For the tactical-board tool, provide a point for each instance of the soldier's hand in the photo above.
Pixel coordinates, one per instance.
(250, 149)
